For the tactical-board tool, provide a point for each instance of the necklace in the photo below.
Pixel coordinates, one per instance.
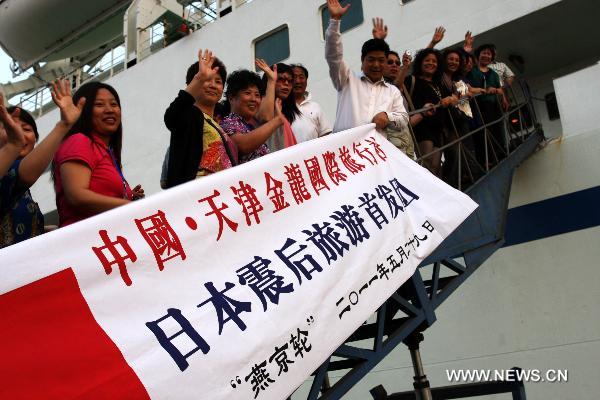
(436, 90)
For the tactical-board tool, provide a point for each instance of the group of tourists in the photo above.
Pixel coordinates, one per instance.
(219, 121)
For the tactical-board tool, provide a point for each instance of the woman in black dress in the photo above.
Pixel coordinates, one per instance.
(425, 90)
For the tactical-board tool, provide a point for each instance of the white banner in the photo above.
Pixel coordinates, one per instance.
(235, 286)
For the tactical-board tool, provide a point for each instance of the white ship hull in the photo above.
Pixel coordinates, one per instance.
(533, 304)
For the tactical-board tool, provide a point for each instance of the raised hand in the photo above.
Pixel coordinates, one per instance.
(438, 35)
(336, 11)
(469, 40)
(380, 30)
(205, 73)
(137, 192)
(406, 60)
(14, 132)
(61, 95)
(263, 66)
(205, 69)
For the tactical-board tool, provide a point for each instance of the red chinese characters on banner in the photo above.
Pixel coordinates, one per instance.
(156, 231)
(369, 150)
(315, 175)
(364, 153)
(119, 252)
(218, 212)
(350, 163)
(165, 243)
(333, 169)
(297, 184)
(245, 195)
(275, 193)
(377, 148)
(161, 238)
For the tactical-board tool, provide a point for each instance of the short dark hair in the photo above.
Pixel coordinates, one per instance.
(374, 45)
(418, 63)
(302, 67)
(240, 80)
(486, 46)
(195, 67)
(27, 118)
(236, 82)
(395, 53)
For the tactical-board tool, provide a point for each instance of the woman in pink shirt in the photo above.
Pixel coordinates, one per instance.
(87, 171)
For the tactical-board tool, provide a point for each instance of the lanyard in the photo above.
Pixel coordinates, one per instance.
(118, 167)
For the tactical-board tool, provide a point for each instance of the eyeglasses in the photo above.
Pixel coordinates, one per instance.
(391, 62)
(281, 79)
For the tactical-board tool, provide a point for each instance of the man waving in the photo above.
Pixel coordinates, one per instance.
(362, 97)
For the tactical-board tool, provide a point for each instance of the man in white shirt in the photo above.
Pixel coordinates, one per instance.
(364, 97)
(504, 72)
(312, 123)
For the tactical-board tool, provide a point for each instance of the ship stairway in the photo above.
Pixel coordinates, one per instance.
(411, 309)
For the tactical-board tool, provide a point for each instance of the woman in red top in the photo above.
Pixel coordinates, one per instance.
(88, 177)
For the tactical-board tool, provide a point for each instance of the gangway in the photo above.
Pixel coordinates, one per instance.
(411, 309)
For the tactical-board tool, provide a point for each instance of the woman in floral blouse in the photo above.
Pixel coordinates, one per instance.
(247, 105)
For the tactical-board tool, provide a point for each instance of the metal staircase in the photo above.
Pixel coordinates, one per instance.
(411, 310)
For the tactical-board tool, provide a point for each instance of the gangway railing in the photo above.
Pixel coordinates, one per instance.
(516, 123)
(411, 310)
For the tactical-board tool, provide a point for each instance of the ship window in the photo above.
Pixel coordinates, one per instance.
(274, 46)
(353, 17)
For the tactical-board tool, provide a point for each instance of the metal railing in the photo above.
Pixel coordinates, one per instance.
(467, 155)
(200, 15)
(156, 41)
(40, 101)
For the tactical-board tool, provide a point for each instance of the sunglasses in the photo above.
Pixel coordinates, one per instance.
(391, 62)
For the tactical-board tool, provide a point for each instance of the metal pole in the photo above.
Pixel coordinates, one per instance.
(112, 62)
(39, 107)
(455, 149)
(326, 384)
(421, 384)
(505, 119)
(485, 145)
(459, 167)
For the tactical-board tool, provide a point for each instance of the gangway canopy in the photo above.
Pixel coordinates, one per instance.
(32, 31)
